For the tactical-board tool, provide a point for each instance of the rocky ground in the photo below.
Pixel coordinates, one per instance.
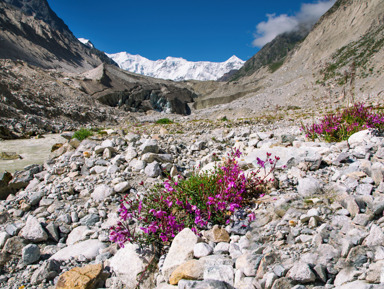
(321, 226)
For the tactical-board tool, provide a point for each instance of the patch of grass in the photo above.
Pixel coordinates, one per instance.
(164, 121)
(82, 134)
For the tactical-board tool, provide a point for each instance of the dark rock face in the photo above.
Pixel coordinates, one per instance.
(117, 88)
(31, 31)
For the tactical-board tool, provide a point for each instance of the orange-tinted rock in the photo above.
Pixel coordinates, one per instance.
(80, 278)
(191, 270)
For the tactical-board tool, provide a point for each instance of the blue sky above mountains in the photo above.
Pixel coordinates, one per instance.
(212, 30)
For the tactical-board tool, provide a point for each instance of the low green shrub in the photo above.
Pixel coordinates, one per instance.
(198, 202)
(82, 134)
(164, 121)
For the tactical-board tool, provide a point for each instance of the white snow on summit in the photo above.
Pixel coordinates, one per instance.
(86, 42)
(175, 68)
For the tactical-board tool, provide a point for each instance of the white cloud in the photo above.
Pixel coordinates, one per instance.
(309, 13)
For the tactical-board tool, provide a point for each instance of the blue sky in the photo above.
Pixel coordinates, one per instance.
(200, 30)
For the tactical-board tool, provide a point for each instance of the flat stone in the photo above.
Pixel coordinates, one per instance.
(33, 231)
(283, 283)
(14, 246)
(191, 270)
(86, 277)
(345, 275)
(122, 187)
(89, 249)
(77, 235)
(206, 284)
(90, 220)
(357, 285)
(375, 237)
(180, 251)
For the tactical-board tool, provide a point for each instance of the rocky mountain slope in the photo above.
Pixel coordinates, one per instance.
(56, 82)
(340, 61)
(32, 32)
(175, 68)
(54, 101)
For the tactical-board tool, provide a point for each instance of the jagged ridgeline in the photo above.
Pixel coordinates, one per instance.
(32, 32)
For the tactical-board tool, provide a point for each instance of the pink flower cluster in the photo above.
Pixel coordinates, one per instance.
(341, 125)
(202, 200)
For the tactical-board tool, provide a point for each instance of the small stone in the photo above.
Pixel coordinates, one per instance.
(90, 220)
(101, 192)
(321, 271)
(153, 170)
(149, 146)
(301, 272)
(364, 189)
(202, 250)
(33, 231)
(217, 234)
(30, 254)
(221, 248)
(4, 236)
(122, 187)
(89, 249)
(47, 271)
(308, 186)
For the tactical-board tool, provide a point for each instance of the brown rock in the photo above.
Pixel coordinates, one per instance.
(217, 234)
(80, 278)
(191, 270)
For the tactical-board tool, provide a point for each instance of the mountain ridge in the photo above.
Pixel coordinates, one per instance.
(32, 32)
(175, 68)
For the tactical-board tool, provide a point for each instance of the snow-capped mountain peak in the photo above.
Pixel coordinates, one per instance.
(175, 68)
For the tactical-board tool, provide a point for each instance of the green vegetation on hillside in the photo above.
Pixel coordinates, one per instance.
(353, 59)
(272, 54)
